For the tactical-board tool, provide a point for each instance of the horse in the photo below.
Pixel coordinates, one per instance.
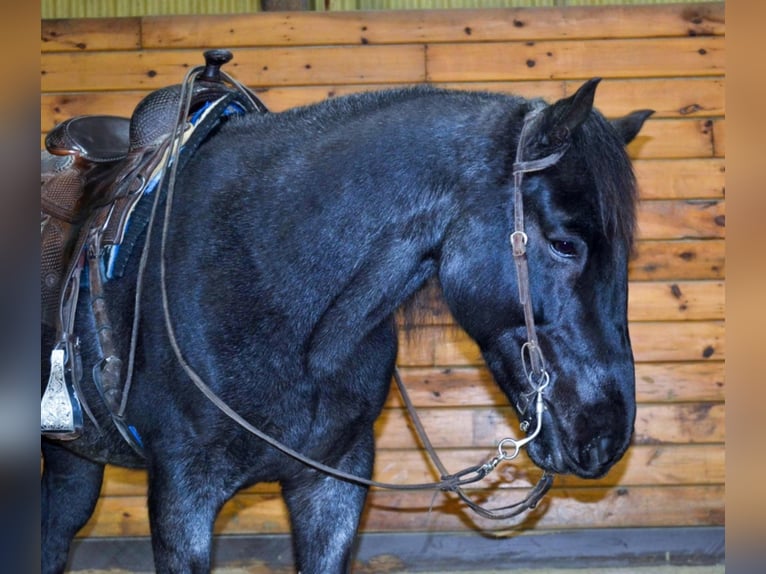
(293, 240)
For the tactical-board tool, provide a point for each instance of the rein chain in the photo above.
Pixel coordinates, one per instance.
(452, 482)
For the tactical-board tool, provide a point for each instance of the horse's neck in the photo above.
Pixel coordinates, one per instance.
(380, 269)
(396, 263)
(351, 255)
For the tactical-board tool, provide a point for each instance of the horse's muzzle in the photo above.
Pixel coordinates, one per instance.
(590, 453)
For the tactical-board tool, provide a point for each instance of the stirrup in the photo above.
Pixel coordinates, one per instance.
(60, 411)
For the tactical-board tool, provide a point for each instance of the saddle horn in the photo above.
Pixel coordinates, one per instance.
(214, 59)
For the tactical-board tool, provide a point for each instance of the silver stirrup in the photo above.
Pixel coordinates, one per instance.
(60, 410)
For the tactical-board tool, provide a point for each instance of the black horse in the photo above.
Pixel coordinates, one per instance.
(293, 239)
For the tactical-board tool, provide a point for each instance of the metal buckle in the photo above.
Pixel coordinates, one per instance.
(519, 243)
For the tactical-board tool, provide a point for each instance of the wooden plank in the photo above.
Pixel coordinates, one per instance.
(279, 99)
(678, 341)
(648, 301)
(674, 139)
(676, 301)
(88, 34)
(548, 90)
(379, 27)
(668, 97)
(680, 423)
(643, 465)
(282, 98)
(676, 97)
(147, 70)
(688, 219)
(680, 179)
(652, 342)
(701, 381)
(55, 108)
(662, 465)
(667, 57)
(562, 508)
(692, 381)
(719, 138)
(331, 65)
(478, 427)
(678, 259)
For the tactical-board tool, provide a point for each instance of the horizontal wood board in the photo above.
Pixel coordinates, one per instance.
(670, 58)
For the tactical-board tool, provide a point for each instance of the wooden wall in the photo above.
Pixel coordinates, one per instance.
(669, 58)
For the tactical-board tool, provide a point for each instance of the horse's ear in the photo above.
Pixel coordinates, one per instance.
(567, 114)
(629, 126)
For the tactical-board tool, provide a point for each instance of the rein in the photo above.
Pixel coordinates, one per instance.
(538, 378)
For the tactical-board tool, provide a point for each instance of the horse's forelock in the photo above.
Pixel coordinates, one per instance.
(617, 193)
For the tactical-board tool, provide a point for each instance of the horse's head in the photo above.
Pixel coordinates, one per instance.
(579, 220)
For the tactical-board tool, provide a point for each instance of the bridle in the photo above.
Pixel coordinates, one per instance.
(532, 357)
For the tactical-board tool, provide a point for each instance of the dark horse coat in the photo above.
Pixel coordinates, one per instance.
(293, 239)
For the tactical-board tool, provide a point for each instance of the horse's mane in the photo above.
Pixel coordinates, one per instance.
(601, 148)
(595, 144)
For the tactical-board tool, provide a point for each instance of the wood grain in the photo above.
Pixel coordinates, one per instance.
(632, 58)
(432, 26)
(669, 58)
(565, 508)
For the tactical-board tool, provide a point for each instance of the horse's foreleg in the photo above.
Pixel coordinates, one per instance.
(324, 515)
(70, 489)
(183, 503)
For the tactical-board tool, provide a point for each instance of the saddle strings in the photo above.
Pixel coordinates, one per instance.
(448, 482)
(170, 162)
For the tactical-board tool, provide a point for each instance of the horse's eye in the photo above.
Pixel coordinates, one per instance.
(564, 248)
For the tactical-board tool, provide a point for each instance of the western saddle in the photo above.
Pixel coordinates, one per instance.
(100, 175)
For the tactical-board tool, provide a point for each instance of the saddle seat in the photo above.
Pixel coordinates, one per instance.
(96, 138)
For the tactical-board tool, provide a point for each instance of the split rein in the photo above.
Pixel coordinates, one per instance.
(532, 357)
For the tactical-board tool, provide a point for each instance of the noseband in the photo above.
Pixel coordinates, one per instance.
(531, 355)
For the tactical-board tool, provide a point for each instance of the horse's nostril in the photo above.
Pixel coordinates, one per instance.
(597, 454)
(604, 450)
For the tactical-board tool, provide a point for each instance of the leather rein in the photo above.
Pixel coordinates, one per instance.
(531, 354)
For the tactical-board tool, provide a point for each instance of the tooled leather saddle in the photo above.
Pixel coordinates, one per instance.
(96, 174)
